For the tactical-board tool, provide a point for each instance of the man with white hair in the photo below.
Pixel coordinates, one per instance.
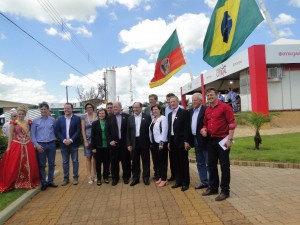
(5, 128)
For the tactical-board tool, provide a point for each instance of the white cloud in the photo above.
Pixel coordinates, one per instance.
(295, 3)
(284, 19)
(286, 32)
(53, 32)
(142, 73)
(113, 16)
(2, 36)
(23, 90)
(147, 7)
(211, 3)
(191, 30)
(82, 30)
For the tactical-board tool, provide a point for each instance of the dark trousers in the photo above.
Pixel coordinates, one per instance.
(102, 158)
(215, 154)
(163, 160)
(173, 167)
(117, 154)
(181, 160)
(140, 152)
(155, 161)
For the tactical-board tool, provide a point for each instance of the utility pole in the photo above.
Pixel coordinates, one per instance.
(67, 93)
(130, 85)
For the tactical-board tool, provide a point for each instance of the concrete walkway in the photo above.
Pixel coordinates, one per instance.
(259, 195)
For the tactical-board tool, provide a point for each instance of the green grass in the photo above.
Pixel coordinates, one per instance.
(8, 197)
(274, 148)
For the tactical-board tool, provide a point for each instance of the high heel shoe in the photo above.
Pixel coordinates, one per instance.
(162, 183)
(158, 181)
(90, 180)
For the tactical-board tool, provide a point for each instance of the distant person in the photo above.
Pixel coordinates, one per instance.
(68, 129)
(109, 108)
(219, 123)
(99, 146)
(168, 108)
(138, 143)
(115, 131)
(158, 133)
(19, 167)
(221, 97)
(5, 127)
(43, 138)
(86, 127)
(153, 99)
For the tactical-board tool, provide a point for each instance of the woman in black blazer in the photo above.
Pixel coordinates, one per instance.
(99, 146)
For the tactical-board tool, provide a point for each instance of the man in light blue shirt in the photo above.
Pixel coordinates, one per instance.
(43, 138)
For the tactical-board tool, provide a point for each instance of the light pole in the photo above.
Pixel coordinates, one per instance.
(67, 93)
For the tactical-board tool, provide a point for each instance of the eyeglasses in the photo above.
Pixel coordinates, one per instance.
(89, 107)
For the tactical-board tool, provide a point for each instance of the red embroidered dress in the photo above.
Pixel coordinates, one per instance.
(19, 166)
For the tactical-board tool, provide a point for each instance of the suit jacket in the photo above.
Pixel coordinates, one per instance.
(96, 135)
(202, 141)
(160, 130)
(111, 129)
(144, 131)
(74, 130)
(180, 127)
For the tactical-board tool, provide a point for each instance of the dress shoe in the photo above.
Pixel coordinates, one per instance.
(176, 185)
(75, 181)
(44, 187)
(162, 183)
(114, 182)
(171, 179)
(106, 180)
(99, 182)
(210, 191)
(222, 197)
(200, 186)
(184, 188)
(64, 183)
(146, 181)
(126, 181)
(52, 185)
(134, 182)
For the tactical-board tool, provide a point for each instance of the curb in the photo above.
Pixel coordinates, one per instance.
(12, 208)
(258, 164)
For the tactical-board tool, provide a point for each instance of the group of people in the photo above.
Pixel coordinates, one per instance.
(111, 136)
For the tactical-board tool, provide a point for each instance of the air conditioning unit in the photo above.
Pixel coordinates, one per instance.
(275, 74)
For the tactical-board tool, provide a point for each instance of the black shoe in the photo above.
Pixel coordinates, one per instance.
(134, 182)
(52, 185)
(176, 185)
(146, 181)
(114, 182)
(171, 179)
(44, 187)
(222, 197)
(106, 180)
(210, 191)
(155, 177)
(184, 188)
(126, 181)
(99, 182)
(65, 182)
(200, 186)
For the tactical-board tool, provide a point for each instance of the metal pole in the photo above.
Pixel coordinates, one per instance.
(67, 93)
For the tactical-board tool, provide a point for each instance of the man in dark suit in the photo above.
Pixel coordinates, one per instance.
(138, 143)
(197, 140)
(115, 131)
(178, 135)
(68, 128)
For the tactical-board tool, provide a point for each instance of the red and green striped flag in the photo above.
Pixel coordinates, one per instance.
(231, 23)
(170, 60)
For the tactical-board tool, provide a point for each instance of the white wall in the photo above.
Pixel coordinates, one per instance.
(245, 91)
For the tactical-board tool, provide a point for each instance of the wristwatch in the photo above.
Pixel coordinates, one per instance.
(231, 140)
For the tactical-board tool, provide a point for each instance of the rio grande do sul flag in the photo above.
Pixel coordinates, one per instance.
(169, 61)
(231, 23)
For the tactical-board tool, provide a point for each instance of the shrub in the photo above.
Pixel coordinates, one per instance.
(3, 145)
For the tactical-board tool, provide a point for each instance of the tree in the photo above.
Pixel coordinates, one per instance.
(95, 96)
(255, 120)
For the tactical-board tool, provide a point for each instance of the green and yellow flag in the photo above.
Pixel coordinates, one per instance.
(231, 23)
(169, 61)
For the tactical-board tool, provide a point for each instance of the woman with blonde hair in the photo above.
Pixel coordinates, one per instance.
(86, 126)
(19, 167)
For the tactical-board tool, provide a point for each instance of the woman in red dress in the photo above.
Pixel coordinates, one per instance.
(19, 167)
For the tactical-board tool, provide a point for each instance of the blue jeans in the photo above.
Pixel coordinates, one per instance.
(201, 160)
(66, 152)
(49, 153)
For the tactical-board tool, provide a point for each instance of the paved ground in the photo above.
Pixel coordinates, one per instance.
(260, 195)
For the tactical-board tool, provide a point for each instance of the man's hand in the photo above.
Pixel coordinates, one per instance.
(40, 149)
(203, 132)
(129, 148)
(228, 144)
(187, 146)
(94, 150)
(67, 142)
(113, 143)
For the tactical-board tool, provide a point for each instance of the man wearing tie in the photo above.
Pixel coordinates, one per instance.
(198, 141)
(177, 137)
(138, 143)
(115, 131)
(68, 128)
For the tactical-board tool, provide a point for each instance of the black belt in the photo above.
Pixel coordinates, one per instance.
(45, 142)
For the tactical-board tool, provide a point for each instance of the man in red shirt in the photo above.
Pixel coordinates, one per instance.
(219, 123)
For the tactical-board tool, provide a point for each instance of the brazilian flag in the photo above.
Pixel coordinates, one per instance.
(231, 23)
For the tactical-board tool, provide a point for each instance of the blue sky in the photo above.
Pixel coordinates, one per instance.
(111, 33)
